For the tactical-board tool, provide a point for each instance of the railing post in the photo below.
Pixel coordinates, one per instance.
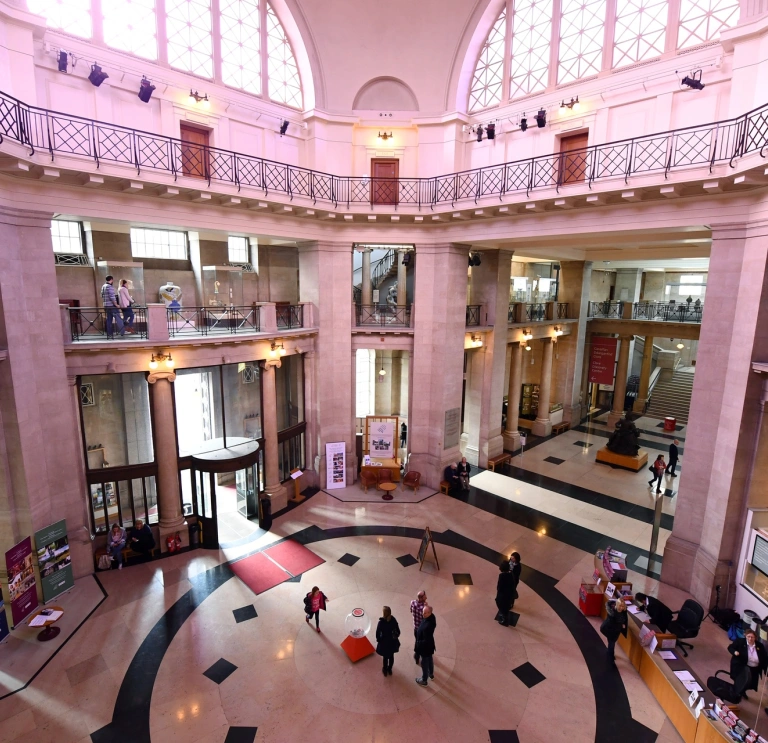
(626, 310)
(551, 308)
(267, 317)
(66, 323)
(157, 322)
(307, 315)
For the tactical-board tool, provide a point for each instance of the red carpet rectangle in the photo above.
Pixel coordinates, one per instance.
(259, 573)
(294, 557)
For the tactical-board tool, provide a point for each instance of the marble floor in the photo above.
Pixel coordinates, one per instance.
(180, 649)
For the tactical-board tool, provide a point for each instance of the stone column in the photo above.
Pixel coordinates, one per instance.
(168, 493)
(724, 409)
(542, 426)
(366, 288)
(273, 488)
(511, 432)
(620, 383)
(401, 277)
(645, 376)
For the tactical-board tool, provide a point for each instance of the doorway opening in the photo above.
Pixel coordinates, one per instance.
(574, 158)
(195, 151)
(385, 185)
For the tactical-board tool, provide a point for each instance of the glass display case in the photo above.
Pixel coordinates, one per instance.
(357, 623)
(222, 286)
(133, 273)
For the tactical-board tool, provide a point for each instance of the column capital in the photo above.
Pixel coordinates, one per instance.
(155, 375)
(271, 363)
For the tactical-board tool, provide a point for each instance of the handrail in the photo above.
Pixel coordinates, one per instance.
(707, 144)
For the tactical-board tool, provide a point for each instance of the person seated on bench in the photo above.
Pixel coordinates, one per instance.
(463, 471)
(451, 476)
(142, 540)
(660, 613)
(116, 544)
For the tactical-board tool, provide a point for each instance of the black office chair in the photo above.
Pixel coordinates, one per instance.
(686, 626)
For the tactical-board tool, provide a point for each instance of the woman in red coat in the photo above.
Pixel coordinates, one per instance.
(313, 602)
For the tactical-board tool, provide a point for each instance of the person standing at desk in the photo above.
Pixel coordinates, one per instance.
(748, 653)
(673, 456)
(614, 624)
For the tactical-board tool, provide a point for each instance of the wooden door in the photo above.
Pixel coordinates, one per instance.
(573, 158)
(384, 183)
(194, 151)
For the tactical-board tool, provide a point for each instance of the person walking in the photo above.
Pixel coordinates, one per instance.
(425, 645)
(748, 652)
(126, 304)
(417, 612)
(464, 470)
(506, 586)
(313, 602)
(515, 567)
(111, 308)
(403, 434)
(614, 624)
(387, 639)
(116, 544)
(673, 456)
(657, 468)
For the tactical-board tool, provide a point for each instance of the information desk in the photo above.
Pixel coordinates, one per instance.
(393, 465)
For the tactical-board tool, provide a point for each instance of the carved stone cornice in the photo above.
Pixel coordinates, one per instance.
(155, 375)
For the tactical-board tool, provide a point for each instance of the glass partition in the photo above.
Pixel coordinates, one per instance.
(289, 392)
(222, 286)
(199, 420)
(242, 400)
(133, 273)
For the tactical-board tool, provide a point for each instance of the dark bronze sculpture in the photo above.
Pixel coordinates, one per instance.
(624, 439)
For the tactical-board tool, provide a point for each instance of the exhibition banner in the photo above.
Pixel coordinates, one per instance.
(21, 580)
(335, 465)
(602, 360)
(54, 560)
(381, 439)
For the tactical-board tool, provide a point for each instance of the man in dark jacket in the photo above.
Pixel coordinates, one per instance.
(425, 645)
(660, 613)
(506, 589)
(672, 458)
(451, 476)
(141, 539)
(748, 652)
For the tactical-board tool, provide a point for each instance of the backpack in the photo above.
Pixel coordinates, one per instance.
(735, 631)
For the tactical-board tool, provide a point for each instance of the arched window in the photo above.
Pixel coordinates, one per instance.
(641, 27)
(489, 73)
(282, 71)
(71, 16)
(241, 44)
(531, 31)
(188, 28)
(581, 39)
(130, 25)
(703, 20)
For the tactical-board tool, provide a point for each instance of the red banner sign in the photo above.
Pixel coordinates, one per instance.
(602, 360)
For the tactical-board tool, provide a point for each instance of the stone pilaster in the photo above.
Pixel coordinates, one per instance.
(511, 432)
(645, 376)
(620, 383)
(273, 488)
(366, 288)
(542, 426)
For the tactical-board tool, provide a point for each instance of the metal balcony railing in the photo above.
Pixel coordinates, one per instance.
(383, 315)
(707, 144)
(90, 323)
(562, 310)
(535, 311)
(608, 309)
(212, 320)
(668, 311)
(290, 316)
(473, 315)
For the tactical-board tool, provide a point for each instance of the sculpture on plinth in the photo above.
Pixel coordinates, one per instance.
(625, 438)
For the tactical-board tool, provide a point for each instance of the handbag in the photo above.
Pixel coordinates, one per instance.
(105, 562)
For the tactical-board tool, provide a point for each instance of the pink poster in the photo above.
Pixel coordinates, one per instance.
(602, 360)
(21, 580)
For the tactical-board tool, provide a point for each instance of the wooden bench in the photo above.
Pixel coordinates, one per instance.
(560, 427)
(493, 462)
(445, 486)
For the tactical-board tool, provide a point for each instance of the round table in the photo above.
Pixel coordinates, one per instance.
(50, 631)
(388, 487)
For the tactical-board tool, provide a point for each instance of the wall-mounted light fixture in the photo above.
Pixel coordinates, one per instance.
(97, 76)
(558, 332)
(527, 335)
(477, 341)
(572, 105)
(284, 127)
(680, 346)
(541, 118)
(195, 98)
(384, 136)
(277, 349)
(382, 371)
(63, 61)
(693, 80)
(158, 358)
(145, 90)
(523, 123)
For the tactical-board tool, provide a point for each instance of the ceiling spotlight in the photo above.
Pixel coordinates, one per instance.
(681, 346)
(384, 136)
(145, 90)
(541, 118)
(476, 260)
(572, 105)
(490, 131)
(284, 127)
(195, 98)
(63, 61)
(97, 76)
(694, 80)
(523, 123)
(479, 133)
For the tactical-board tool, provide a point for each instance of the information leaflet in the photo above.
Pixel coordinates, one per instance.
(54, 560)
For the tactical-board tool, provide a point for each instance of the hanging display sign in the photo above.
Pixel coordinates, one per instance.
(602, 360)
(381, 439)
(21, 580)
(336, 465)
(54, 560)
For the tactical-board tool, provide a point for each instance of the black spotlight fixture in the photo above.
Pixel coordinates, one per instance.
(145, 90)
(541, 118)
(694, 80)
(490, 131)
(479, 133)
(476, 260)
(283, 127)
(97, 76)
(63, 61)
(523, 124)
(407, 259)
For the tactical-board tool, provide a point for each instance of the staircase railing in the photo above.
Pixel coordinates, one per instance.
(380, 269)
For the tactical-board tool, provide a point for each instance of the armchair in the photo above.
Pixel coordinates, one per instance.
(384, 475)
(368, 479)
(412, 479)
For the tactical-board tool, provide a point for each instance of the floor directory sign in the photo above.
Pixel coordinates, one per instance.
(335, 465)
(21, 580)
(54, 560)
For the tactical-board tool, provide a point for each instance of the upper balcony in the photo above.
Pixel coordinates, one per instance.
(672, 311)
(39, 143)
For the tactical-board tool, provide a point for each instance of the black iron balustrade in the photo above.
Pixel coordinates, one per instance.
(562, 310)
(668, 311)
(473, 315)
(90, 323)
(609, 309)
(212, 320)
(707, 144)
(383, 315)
(511, 313)
(535, 311)
(290, 316)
